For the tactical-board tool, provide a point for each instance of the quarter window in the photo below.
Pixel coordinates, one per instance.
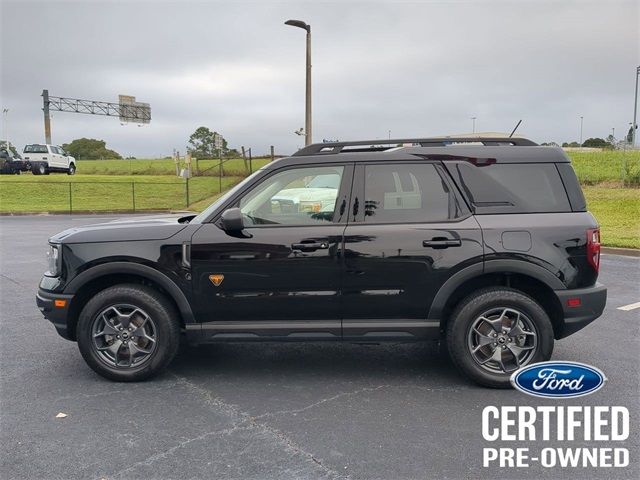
(407, 193)
(299, 196)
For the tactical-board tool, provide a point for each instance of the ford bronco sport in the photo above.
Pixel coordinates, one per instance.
(485, 243)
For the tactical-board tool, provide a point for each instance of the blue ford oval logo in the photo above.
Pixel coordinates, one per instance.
(558, 379)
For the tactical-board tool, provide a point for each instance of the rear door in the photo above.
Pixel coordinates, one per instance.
(282, 276)
(411, 232)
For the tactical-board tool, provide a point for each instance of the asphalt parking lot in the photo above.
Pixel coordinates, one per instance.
(272, 411)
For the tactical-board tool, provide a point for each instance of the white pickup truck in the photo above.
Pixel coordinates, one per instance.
(45, 159)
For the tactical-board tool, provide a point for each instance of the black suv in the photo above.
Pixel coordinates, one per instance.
(485, 243)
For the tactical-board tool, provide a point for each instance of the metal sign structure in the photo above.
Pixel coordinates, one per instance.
(217, 141)
(132, 111)
(127, 109)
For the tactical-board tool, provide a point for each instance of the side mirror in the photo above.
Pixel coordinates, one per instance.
(232, 220)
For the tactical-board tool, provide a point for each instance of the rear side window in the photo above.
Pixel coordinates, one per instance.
(511, 188)
(35, 149)
(407, 193)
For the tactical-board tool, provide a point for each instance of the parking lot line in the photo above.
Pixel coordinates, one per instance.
(631, 306)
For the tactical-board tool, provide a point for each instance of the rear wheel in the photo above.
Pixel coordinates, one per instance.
(41, 169)
(128, 333)
(494, 332)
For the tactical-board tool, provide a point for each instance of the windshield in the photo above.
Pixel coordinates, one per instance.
(212, 208)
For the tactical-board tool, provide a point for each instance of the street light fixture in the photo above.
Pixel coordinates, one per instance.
(307, 112)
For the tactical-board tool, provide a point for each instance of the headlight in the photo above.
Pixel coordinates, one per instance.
(54, 259)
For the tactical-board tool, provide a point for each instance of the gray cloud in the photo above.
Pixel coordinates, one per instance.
(415, 68)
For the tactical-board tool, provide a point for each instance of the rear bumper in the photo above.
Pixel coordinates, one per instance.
(56, 315)
(592, 302)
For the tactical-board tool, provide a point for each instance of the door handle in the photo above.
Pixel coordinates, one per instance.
(310, 245)
(439, 242)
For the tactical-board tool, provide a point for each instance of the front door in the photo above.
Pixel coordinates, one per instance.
(281, 276)
(411, 234)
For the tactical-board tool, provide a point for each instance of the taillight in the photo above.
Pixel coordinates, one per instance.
(593, 248)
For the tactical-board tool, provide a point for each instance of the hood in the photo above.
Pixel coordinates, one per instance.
(148, 227)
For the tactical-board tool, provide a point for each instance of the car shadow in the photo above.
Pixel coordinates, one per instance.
(407, 362)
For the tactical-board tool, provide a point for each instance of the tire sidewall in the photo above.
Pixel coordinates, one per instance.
(475, 305)
(167, 332)
(72, 169)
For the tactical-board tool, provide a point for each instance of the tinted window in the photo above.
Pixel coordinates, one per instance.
(300, 196)
(405, 193)
(512, 188)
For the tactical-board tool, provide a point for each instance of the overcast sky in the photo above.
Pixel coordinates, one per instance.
(418, 68)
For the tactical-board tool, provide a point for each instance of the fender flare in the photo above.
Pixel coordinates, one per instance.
(141, 270)
(490, 266)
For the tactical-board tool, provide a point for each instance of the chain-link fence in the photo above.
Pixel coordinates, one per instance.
(18, 196)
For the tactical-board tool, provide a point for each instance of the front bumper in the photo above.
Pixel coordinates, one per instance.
(57, 315)
(592, 301)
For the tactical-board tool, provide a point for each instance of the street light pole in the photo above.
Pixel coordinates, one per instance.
(307, 110)
(5, 113)
(581, 122)
(634, 127)
(474, 124)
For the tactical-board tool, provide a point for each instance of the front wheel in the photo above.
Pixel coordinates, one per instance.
(72, 169)
(494, 332)
(128, 333)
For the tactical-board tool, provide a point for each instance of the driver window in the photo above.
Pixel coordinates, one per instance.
(299, 196)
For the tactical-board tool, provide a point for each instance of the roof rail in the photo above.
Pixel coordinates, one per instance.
(379, 145)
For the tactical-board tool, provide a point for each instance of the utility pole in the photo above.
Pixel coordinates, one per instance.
(5, 126)
(634, 127)
(47, 117)
(307, 110)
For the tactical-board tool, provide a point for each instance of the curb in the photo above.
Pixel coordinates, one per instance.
(627, 252)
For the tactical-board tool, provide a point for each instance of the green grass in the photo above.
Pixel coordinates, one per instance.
(618, 213)
(611, 167)
(232, 167)
(95, 193)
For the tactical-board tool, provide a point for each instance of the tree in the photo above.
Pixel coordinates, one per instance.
(572, 144)
(202, 144)
(596, 143)
(90, 149)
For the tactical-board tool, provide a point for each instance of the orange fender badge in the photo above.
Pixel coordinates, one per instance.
(216, 279)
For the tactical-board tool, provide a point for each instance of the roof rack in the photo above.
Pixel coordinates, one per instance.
(378, 145)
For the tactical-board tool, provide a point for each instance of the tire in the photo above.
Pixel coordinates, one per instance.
(41, 169)
(470, 327)
(150, 315)
(72, 169)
